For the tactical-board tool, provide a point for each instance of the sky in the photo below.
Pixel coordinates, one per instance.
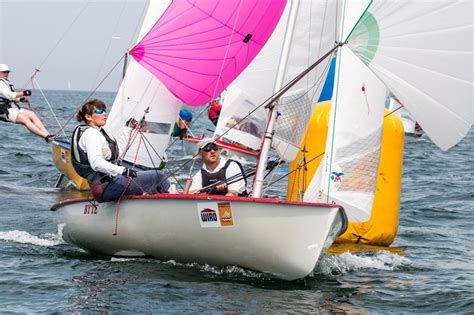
(74, 43)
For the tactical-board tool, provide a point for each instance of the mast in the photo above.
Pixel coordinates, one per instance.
(124, 70)
(262, 163)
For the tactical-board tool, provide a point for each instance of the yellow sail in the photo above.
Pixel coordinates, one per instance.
(381, 229)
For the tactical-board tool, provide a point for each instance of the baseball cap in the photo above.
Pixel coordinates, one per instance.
(186, 115)
(204, 142)
(4, 67)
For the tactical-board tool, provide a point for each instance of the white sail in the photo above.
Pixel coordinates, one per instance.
(348, 173)
(409, 123)
(423, 52)
(243, 124)
(305, 32)
(140, 91)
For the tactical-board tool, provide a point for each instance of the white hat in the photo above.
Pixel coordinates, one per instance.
(204, 142)
(4, 67)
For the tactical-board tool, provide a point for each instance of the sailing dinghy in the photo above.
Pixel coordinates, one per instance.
(218, 230)
(248, 231)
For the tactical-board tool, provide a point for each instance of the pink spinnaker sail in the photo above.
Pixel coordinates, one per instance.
(198, 47)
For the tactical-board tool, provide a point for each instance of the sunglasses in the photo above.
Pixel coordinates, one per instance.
(99, 111)
(210, 147)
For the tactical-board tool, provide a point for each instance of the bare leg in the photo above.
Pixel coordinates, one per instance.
(32, 123)
(36, 121)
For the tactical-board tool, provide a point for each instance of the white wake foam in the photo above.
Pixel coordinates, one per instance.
(346, 262)
(24, 237)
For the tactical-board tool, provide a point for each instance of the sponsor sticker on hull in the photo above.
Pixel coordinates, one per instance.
(215, 214)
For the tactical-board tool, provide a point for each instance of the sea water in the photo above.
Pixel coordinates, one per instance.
(429, 268)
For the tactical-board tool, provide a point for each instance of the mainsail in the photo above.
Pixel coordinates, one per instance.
(197, 48)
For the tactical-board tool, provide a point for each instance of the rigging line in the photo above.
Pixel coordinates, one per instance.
(151, 159)
(91, 93)
(131, 139)
(109, 43)
(30, 80)
(271, 177)
(129, 181)
(306, 163)
(358, 21)
(227, 50)
(316, 84)
(171, 174)
(393, 111)
(142, 18)
(50, 107)
(275, 96)
(64, 34)
(286, 87)
(133, 135)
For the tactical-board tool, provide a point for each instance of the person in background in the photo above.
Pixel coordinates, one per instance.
(215, 169)
(11, 112)
(181, 126)
(95, 157)
(214, 111)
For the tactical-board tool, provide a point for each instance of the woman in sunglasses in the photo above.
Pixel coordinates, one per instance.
(211, 179)
(95, 157)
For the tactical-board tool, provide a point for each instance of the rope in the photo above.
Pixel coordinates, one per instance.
(393, 111)
(50, 107)
(306, 163)
(117, 209)
(109, 43)
(171, 174)
(272, 98)
(90, 94)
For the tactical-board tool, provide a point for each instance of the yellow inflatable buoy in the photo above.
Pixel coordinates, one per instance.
(381, 229)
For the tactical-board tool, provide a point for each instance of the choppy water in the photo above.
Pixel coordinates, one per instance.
(429, 269)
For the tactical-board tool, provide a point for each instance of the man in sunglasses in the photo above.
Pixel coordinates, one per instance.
(11, 112)
(211, 179)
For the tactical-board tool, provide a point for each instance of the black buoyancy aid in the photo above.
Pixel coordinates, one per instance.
(79, 156)
(5, 103)
(211, 178)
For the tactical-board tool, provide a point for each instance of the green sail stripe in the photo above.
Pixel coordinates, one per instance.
(366, 38)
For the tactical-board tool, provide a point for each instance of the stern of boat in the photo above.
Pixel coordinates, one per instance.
(61, 152)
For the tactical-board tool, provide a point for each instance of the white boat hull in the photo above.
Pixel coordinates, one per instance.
(280, 238)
